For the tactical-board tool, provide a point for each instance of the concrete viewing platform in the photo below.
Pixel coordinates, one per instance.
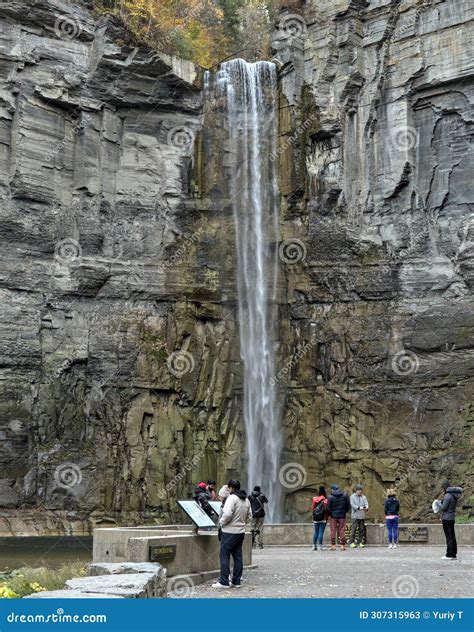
(298, 572)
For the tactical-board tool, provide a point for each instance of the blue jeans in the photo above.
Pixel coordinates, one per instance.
(392, 528)
(231, 544)
(318, 532)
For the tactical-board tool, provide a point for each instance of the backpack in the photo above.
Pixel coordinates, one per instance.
(319, 511)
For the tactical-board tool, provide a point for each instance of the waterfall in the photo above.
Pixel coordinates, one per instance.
(250, 92)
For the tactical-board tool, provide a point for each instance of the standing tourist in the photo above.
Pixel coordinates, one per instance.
(237, 512)
(338, 506)
(320, 517)
(359, 508)
(448, 518)
(211, 489)
(392, 509)
(202, 497)
(257, 502)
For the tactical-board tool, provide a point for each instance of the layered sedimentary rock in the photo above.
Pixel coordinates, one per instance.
(118, 350)
(120, 370)
(376, 156)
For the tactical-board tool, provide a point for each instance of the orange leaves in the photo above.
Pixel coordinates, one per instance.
(194, 29)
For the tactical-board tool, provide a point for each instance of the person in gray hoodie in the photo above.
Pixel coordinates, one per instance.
(448, 518)
(359, 508)
(235, 515)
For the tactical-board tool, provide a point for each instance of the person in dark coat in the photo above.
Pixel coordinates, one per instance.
(257, 502)
(448, 518)
(338, 506)
(392, 510)
(202, 497)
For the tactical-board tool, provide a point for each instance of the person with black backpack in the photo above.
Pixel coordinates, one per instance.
(257, 502)
(320, 517)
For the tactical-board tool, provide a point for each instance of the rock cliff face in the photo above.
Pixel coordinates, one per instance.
(120, 368)
(376, 156)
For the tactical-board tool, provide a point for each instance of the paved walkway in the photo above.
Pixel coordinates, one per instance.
(408, 571)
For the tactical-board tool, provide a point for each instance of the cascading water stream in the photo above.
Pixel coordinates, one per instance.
(250, 92)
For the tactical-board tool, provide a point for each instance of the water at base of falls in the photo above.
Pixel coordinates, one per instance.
(250, 92)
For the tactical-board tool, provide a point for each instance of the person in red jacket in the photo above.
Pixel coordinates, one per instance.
(320, 517)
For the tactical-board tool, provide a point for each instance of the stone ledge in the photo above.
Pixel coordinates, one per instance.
(71, 594)
(129, 585)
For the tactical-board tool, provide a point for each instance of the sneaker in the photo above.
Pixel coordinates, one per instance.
(394, 546)
(315, 548)
(219, 585)
(235, 586)
(390, 546)
(352, 545)
(445, 557)
(361, 546)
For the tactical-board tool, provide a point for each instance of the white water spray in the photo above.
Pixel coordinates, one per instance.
(251, 92)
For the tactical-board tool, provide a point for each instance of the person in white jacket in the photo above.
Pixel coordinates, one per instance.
(237, 512)
(359, 507)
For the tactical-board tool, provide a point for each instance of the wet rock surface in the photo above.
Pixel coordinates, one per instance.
(120, 381)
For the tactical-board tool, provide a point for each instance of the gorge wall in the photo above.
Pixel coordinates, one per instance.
(121, 379)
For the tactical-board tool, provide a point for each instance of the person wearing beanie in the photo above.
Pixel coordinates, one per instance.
(392, 509)
(257, 502)
(320, 517)
(359, 508)
(448, 518)
(338, 506)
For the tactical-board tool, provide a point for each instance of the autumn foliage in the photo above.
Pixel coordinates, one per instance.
(205, 31)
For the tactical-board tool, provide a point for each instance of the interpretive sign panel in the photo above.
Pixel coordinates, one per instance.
(412, 533)
(216, 506)
(196, 513)
(159, 552)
